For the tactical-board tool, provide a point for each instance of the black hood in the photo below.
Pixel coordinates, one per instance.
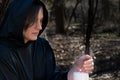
(12, 25)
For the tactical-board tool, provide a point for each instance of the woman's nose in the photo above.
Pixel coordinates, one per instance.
(39, 26)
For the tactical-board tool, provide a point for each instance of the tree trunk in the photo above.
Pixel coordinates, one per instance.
(91, 16)
(73, 13)
(119, 20)
(59, 16)
(106, 9)
(119, 5)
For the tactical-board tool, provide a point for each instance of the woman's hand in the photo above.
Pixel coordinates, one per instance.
(83, 64)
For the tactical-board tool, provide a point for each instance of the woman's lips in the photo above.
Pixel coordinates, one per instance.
(35, 33)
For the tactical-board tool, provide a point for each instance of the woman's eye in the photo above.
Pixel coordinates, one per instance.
(41, 21)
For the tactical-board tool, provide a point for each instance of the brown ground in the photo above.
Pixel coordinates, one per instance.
(106, 52)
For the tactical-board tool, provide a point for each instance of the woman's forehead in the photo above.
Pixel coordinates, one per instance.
(40, 14)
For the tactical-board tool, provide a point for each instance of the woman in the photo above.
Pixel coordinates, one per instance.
(23, 54)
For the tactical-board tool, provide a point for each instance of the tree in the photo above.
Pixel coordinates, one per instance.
(59, 16)
(106, 9)
(119, 5)
(119, 20)
(91, 16)
(73, 12)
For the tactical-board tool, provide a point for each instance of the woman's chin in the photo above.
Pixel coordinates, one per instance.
(34, 39)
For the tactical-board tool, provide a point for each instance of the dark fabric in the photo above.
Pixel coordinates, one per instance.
(12, 25)
(34, 62)
(18, 61)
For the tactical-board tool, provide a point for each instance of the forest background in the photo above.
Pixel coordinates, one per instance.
(78, 27)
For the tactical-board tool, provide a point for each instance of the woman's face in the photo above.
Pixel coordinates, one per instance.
(31, 33)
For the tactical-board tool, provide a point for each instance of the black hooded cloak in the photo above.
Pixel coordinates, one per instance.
(19, 61)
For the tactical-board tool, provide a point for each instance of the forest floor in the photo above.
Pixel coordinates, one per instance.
(105, 49)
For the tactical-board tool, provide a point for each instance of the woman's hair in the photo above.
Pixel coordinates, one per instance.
(32, 15)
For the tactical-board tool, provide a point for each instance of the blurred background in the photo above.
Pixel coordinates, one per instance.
(78, 27)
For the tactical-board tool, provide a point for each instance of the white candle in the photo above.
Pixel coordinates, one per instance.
(80, 76)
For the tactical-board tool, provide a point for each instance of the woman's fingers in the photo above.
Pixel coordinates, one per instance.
(85, 64)
(88, 65)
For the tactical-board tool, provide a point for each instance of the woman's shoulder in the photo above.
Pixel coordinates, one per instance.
(4, 51)
(42, 41)
(4, 48)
